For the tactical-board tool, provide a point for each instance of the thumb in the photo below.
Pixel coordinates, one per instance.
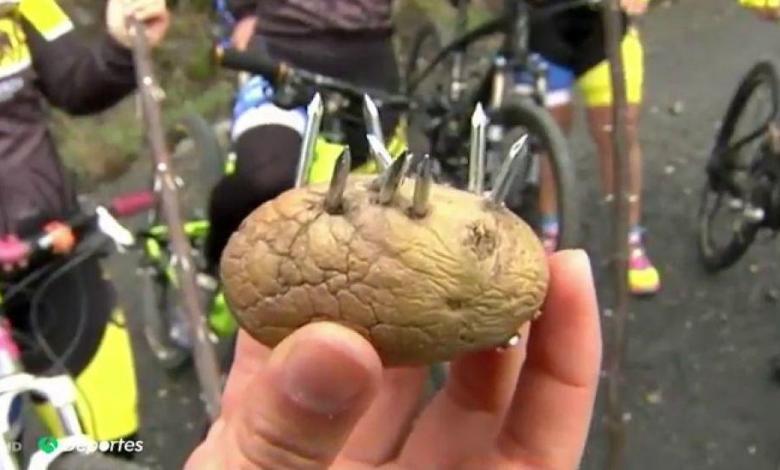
(302, 406)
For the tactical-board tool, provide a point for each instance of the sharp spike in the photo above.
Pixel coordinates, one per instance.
(509, 170)
(334, 200)
(477, 153)
(314, 114)
(379, 152)
(371, 117)
(391, 179)
(422, 188)
(511, 343)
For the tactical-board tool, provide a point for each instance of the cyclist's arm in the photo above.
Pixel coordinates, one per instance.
(74, 76)
(244, 11)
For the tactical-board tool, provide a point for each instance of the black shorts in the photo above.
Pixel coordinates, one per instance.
(68, 310)
(573, 39)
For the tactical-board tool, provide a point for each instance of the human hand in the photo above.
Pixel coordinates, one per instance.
(321, 398)
(634, 7)
(153, 14)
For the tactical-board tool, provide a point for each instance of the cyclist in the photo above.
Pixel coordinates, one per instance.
(766, 9)
(43, 60)
(572, 46)
(350, 40)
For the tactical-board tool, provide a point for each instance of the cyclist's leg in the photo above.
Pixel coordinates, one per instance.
(560, 81)
(266, 140)
(102, 363)
(597, 89)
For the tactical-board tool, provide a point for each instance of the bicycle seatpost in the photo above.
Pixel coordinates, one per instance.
(518, 30)
(461, 25)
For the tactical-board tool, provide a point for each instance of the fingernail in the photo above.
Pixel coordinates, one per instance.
(323, 378)
(584, 259)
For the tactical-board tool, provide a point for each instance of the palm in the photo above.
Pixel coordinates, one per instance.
(526, 407)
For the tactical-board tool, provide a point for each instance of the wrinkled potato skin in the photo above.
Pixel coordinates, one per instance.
(463, 278)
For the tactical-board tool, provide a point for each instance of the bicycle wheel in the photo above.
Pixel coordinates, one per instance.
(516, 118)
(198, 161)
(422, 48)
(723, 240)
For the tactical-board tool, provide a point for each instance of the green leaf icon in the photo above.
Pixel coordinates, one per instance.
(47, 444)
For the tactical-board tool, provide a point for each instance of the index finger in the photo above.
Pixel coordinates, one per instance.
(548, 422)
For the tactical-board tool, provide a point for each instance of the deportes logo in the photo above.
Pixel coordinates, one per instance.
(49, 444)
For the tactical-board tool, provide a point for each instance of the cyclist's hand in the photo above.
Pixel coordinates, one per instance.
(634, 7)
(153, 13)
(243, 32)
(321, 398)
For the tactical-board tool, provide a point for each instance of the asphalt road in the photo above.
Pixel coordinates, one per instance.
(697, 381)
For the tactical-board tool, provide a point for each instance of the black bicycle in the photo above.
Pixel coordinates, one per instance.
(458, 92)
(742, 191)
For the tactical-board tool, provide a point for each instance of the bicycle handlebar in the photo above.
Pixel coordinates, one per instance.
(242, 61)
(278, 72)
(14, 251)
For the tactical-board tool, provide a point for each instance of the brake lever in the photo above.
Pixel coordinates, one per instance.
(111, 227)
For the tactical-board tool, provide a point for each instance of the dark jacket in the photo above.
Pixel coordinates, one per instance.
(42, 61)
(312, 17)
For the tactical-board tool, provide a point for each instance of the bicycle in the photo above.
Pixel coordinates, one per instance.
(742, 172)
(94, 228)
(198, 161)
(449, 120)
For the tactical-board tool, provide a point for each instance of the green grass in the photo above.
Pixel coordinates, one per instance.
(99, 148)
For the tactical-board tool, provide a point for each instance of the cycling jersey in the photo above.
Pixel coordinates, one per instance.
(306, 17)
(42, 59)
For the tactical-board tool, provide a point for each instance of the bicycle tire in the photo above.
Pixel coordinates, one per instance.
(541, 126)
(421, 37)
(93, 461)
(197, 144)
(156, 324)
(724, 155)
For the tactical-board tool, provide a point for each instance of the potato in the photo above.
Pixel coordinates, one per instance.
(422, 289)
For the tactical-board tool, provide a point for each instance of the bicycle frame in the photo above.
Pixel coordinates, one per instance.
(156, 257)
(59, 391)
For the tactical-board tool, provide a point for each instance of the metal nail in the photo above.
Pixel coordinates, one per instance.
(314, 114)
(511, 342)
(371, 117)
(379, 152)
(509, 170)
(391, 179)
(334, 199)
(422, 188)
(477, 153)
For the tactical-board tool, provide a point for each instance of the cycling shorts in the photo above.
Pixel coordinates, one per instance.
(595, 84)
(759, 4)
